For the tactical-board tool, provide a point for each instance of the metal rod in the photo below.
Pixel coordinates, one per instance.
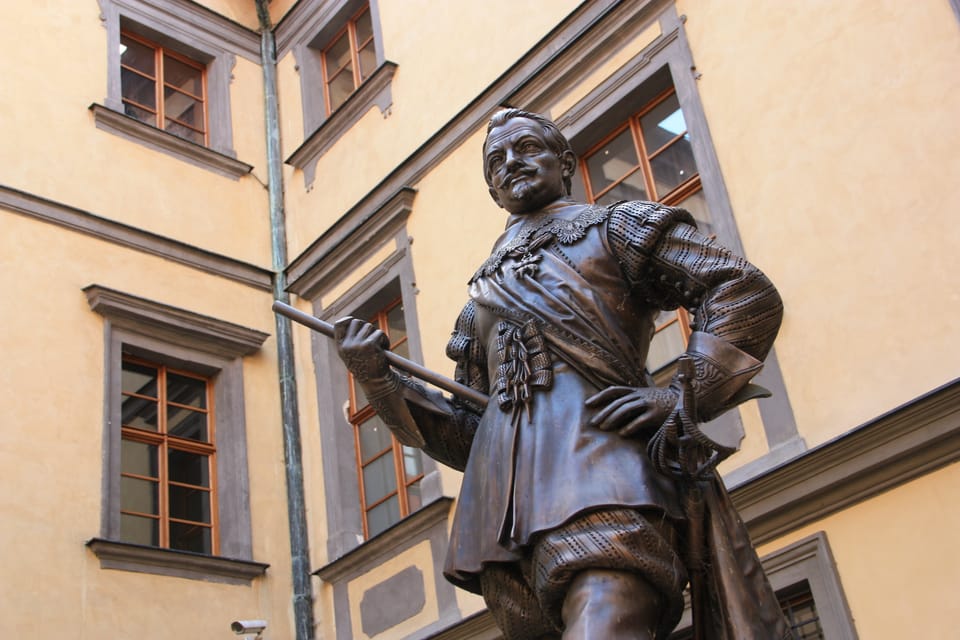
(434, 378)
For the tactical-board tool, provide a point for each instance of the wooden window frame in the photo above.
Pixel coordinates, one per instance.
(676, 195)
(166, 442)
(349, 30)
(160, 84)
(357, 416)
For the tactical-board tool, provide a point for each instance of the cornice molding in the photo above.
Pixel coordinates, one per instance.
(889, 451)
(133, 238)
(132, 129)
(347, 242)
(199, 331)
(134, 557)
(387, 544)
(187, 18)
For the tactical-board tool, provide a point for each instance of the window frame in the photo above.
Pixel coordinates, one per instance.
(160, 52)
(166, 442)
(350, 31)
(205, 346)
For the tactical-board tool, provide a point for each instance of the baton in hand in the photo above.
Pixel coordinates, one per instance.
(421, 372)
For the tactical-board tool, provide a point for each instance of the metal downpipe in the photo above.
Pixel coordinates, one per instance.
(292, 451)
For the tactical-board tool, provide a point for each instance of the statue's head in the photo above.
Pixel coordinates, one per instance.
(527, 162)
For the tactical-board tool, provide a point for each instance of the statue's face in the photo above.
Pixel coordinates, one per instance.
(525, 175)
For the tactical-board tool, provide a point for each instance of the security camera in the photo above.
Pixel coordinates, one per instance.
(246, 627)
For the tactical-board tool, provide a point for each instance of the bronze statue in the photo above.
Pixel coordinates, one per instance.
(589, 495)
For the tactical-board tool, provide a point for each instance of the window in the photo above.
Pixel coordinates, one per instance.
(348, 60)
(649, 157)
(167, 458)
(175, 487)
(163, 88)
(169, 71)
(389, 472)
(338, 48)
(798, 608)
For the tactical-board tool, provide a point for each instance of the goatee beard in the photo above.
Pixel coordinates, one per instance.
(521, 190)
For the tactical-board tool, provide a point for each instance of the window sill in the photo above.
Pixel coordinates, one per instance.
(132, 129)
(376, 90)
(125, 556)
(384, 546)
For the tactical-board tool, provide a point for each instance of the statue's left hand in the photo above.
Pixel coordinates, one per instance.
(632, 410)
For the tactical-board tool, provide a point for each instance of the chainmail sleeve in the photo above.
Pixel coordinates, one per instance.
(736, 309)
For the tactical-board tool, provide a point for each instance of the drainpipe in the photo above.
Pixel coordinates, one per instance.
(296, 503)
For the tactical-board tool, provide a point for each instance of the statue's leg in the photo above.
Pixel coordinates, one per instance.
(608, 604)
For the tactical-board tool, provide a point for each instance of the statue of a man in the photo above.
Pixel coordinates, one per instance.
(565, 524)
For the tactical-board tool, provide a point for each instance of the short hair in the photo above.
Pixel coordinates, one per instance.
(555, 140)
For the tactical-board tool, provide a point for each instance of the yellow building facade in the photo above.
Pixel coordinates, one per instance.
(172, 167)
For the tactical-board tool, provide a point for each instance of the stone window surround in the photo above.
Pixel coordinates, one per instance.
(306, 29)
(204, 36)
(209, 346)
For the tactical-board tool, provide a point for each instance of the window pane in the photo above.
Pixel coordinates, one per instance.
(185, 423)
(189, 468)
(139, 413)
(396, 324)
(142, 115)
(189, 504)
(140, 90)
(188, 537)
(368, 61)
(374, 438)
(340, 88)
(633, 188)
(138, 378)
(673, 166)
(183, 132)
(664, 123)
(364, 25)
(383, 515)
(667, 344)
(139, 495)
(182, 76)
(338, 55)
(696, 204)
(139, 530)
(138, 56)
(182, 108)
(414, 497)
(138, 458)
(379, 479)
(411, 462)
(613, 161)
(188, 391)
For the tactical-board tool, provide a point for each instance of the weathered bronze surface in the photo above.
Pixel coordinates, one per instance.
(589, 498)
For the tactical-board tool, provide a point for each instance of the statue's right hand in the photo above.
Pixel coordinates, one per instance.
(362, 348)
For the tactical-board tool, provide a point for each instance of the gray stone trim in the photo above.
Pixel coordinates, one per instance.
(194, 30)
(134, 238)
(124, 556)
(187, 328)
(331, 255)
(381, 609)
(479, 626)
(807, 560)
(381, 548)
(955, 4)
(374, 91)
(190, 341)
(891, 450)
(132, 129)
